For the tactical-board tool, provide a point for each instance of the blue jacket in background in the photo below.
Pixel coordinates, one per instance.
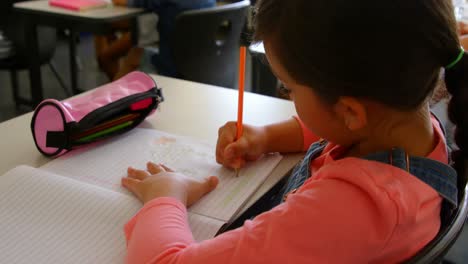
(167, 11)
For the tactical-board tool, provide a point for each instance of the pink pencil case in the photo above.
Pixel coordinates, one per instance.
(109, 110)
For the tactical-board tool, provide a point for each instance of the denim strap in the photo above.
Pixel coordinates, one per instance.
(302, 170)
(441, 177)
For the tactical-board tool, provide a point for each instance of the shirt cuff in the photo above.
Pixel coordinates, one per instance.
(128, 228)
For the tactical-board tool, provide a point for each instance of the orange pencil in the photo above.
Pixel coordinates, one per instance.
(240, 100)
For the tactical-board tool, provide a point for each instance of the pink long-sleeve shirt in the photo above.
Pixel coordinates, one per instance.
(351, 211)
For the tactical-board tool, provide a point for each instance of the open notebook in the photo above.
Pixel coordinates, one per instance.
(73, 209)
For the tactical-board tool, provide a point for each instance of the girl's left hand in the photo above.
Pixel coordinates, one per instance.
(160, 181)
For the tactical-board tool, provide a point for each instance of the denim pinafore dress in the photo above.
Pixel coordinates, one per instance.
(441, 177)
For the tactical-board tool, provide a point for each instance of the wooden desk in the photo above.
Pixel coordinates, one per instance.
(97, 21)
(190, 109)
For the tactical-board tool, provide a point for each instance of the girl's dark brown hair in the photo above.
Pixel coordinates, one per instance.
(389, 51)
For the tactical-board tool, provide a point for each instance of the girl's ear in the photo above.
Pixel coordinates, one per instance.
(352, 112)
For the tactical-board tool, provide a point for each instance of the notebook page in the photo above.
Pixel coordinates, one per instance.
(105, 163)
(46, 218)
(203, 227)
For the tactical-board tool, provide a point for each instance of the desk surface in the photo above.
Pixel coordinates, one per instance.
(108, 13)
(190, 109)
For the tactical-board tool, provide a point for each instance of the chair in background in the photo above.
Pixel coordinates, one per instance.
(435, 251)
(263, 80)
(206, 43)
(14, 28)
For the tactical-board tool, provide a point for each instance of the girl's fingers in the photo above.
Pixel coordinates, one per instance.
(211, 183)
(166, 168)
(237, 149)
(137, 174)
(226, 135)
(208, 185)
(154, 168)
(200, 188)
(234, 154)
(132, 185)
(238, 163)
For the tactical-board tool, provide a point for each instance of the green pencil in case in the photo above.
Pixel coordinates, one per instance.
(109, 124)
(104, 132)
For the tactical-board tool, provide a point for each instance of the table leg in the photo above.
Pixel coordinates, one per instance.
(34, 64)
(73, 63)
(134, 30)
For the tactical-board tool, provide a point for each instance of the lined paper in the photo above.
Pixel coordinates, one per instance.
(73, 209)
(105, 163)
(46, 218)
(203, 227)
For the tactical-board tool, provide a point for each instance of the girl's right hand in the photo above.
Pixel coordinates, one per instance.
(234, 153)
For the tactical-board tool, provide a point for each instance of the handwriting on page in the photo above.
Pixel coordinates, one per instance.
(232, 193)
(183, 158)
(197, 161)
(106, 163)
